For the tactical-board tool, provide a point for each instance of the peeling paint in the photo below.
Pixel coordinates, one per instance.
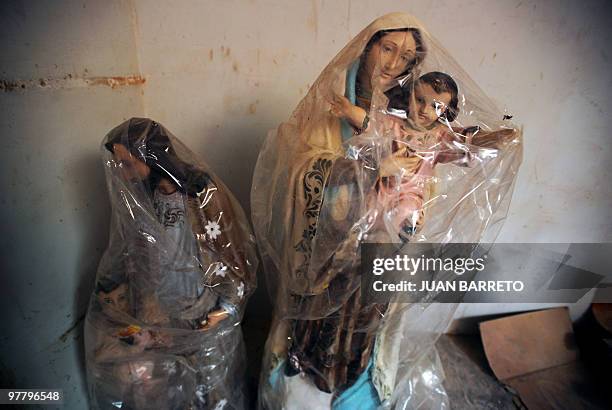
(70, 81)
(225, 51)
(253, 107)
(114, 82)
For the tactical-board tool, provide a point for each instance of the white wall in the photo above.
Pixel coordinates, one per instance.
(220, 75)
(54, 206)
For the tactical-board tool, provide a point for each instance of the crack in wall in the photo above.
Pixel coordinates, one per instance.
(74, 326)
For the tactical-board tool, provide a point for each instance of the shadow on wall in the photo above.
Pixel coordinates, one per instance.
(238, 177)
(240, 142)
(93, 223)
(255, 326)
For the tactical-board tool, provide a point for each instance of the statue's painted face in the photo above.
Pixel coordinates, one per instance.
(391, 56)
(428, 105)
(131, 167)
(116, 298)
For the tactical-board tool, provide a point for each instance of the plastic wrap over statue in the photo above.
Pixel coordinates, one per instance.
(162, 329)
(392, 144)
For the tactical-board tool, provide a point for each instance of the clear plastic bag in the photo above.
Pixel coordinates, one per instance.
(163, 325)
(392, 144)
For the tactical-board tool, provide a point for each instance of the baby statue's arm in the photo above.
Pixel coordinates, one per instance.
(470, 146)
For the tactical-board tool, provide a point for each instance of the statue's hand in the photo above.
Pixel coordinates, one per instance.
(214, 318)
(341, 107)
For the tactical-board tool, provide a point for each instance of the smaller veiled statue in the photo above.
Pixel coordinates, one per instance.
(162, 329)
